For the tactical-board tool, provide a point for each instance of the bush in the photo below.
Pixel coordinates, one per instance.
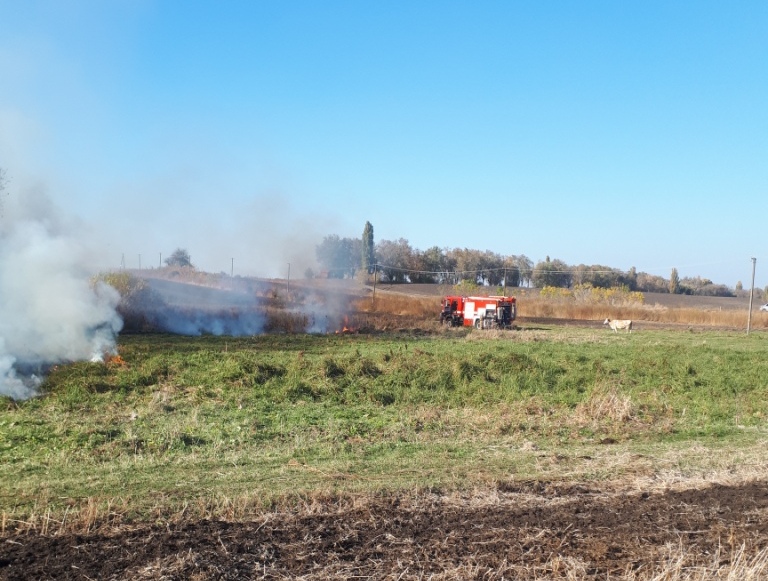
(465, 287)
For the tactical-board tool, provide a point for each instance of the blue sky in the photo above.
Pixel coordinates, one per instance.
(629, 133)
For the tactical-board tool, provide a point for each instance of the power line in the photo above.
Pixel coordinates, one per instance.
(497, 269)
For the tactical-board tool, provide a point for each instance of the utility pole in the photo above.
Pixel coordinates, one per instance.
(288, 280)
(139, 261)
(161, 261)
(751, 296)
(232, 272)
(373, 297)
(504, 283)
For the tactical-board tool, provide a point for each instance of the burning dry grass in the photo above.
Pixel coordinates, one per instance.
(115, 361)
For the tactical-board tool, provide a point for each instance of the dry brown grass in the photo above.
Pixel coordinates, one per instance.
(605, 403)
(281, 321)
(542, 308)
(731, 564)
(82, 518)
(425, 308)
(421, 308)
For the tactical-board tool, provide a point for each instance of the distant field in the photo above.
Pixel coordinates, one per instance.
(261, 287)
(662, 299)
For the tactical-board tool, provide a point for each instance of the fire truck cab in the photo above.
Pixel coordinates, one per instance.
(453, 311)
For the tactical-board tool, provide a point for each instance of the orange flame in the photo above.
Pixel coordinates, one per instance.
(345, 328)
(116, 361)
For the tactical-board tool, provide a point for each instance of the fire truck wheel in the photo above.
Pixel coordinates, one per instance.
(478, 324)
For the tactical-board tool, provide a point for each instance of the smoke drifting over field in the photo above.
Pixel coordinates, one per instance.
(49, 312)
(221, 305)
(198, 322)
(180, 308)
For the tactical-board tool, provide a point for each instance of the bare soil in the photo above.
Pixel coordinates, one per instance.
(517, 531)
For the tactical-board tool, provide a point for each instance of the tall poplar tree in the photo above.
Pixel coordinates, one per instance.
(674, 282)
(369, 255)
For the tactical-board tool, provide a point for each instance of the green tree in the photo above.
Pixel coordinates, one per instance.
(423, 269)
(180, 257)
(369, 249)
(696, 285)
(525, 265)
(434, 265)
(511, 273)
(468, 263)
(674, 282)
(397, 260)
(492, 268)
(631, 279)
(601, 276)
(340, 257)
(552, 273)
(651, 283)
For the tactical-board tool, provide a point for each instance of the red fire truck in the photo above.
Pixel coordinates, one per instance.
(492, 312)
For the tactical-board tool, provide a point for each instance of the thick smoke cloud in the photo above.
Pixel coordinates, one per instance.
(49, 311)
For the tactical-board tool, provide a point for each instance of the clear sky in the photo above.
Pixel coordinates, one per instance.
(623, 133)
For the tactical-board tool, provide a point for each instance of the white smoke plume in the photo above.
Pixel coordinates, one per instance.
(49, 311)
(220, 305)
(185, 309)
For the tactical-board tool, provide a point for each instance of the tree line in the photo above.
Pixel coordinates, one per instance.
(396, 261)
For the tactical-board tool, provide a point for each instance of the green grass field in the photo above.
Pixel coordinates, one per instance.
(221, 426)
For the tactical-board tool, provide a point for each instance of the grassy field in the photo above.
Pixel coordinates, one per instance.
(180, 427)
